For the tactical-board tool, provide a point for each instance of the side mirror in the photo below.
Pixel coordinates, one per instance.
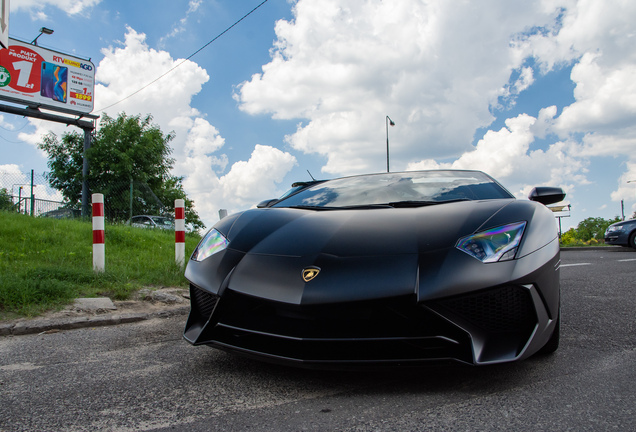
(547, 195)
(266, 203)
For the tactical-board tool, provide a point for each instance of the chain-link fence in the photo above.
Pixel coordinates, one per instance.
(125, 199)
(30, 193)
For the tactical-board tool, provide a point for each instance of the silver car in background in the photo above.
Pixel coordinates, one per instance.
(145, 221)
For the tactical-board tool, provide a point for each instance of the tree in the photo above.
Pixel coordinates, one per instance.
(6, 203)
(129, 160)
(593, 228)
(590, 230)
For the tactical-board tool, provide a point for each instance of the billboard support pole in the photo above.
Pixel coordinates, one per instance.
(85, 189)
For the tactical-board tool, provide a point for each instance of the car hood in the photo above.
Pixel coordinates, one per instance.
(357, 233)
(367, 254)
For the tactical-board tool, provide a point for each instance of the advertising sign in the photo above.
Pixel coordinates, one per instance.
(39, 77)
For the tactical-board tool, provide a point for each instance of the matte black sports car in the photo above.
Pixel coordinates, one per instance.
(396, 268)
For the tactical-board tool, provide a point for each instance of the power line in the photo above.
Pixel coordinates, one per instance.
(185, 60)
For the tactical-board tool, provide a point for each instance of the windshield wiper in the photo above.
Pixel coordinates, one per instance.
(402, 204)
(352, 207)
(310, 207)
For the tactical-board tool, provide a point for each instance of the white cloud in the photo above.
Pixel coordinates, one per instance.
(6, 125)
(203, 138)
(525, 80)
(506, 155)
(605, 97)
(626, 188)
(181, 25)
(249, 181)
(600, 38)
(544, 121)
(435, 68)
(438, 69)
(243, 186)
(11, 169)
(71, 7)
(118, 77)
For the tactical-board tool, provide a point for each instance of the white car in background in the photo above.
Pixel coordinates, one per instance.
(145, 221)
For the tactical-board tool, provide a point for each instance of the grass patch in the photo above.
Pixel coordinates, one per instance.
(46, 263)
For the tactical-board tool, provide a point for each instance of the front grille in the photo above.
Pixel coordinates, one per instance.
(502, 309)
(395, 329)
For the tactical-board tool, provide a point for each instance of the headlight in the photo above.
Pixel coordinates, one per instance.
(212, 243)
(496, 244)
(615, 228)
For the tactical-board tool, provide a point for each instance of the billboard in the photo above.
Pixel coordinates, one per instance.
(39, 77)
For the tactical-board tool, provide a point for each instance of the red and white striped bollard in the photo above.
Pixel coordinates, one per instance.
(179, 231)
(99, 254)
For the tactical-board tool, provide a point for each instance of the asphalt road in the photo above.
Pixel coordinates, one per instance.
(143, 376)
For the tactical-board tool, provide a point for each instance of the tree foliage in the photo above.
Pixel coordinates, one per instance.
(127, 153)
(6, 203)
(590, 230)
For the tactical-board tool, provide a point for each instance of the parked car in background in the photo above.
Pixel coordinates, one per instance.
(622, 233)
(145, 221)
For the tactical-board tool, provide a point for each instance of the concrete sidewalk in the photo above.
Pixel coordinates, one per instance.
(147, 304)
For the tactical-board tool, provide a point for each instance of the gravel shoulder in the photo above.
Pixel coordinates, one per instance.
(146, 304)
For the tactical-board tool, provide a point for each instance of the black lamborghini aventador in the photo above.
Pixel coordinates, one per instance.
(382, 269)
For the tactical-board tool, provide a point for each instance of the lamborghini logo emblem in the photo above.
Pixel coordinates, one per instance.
(310, 273)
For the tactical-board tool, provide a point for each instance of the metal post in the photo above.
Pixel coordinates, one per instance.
(85, 189)
(392, 123)
(623, 209)
(32, 200)
(131, 200)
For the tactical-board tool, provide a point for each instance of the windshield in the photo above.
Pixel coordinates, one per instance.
(391, 189)
(163, 221)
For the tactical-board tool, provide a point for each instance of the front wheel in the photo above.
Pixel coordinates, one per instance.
(632, 240)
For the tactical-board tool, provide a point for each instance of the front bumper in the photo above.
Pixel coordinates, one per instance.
(616, 240)
(489, 326)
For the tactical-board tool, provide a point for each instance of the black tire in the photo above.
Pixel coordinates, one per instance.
(553, 343)
(632, 240)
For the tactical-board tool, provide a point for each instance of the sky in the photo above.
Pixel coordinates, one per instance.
(534, 93)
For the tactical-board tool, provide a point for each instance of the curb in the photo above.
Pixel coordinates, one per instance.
(58, 324)
(597, 248)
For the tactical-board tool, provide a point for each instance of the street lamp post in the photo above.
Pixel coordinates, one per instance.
(43, 30)
(392, 123)
(630, 181)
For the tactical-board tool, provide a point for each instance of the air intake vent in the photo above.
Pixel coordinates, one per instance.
(503, 309)
(203, 301)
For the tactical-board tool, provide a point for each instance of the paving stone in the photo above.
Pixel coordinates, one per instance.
(93, 304)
